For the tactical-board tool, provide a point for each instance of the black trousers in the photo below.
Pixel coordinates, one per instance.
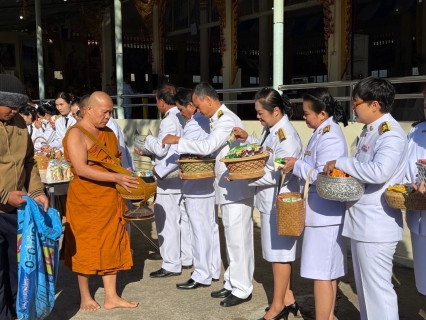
(8, 265)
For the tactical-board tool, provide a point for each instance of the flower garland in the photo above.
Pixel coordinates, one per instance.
(328, 25)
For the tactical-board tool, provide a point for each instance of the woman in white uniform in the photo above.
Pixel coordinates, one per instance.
(280, 139)
(324, 249)
(29, 115)
(416, 220)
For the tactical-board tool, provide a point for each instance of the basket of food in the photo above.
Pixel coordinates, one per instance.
(196, 167)
(421, 167)
(139, 143)
(339, 186)
(45, 154)
(246, 162)
(404, 197)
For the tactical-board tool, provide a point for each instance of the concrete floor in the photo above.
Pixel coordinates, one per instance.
(159, 298)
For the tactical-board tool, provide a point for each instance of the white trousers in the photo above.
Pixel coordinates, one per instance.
(201, 213)
(174, 234)
(373, 277)
(419, 258)
(216, 266)
(237, 220)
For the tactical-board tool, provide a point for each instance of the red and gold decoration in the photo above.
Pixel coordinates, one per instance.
(328, 25)
(221, 7)
(93, 17)
(346, 35)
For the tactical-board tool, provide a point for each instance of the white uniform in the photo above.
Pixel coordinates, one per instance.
(324, 249)
(171, 218)
(200, 205)
(276, 248)
(374, 227)
(62, 125)
(416, 220)
(235, 199)
(46, 131)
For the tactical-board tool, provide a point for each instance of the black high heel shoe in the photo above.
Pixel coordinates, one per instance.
(293, 308)
(282, 315)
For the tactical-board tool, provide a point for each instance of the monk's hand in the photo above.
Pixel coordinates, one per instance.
(127, 182)
(138, 152)
(420, 188)
(329, 167)
(15, 198)
(239, 134)
(170, 139)
(289, 164)
(43, 200)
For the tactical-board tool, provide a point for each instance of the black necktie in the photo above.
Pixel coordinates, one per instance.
(31, 130)
(267, 132)
(66, 122)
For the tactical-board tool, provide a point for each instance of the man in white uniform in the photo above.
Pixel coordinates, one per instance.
(199, 197)
(171, 218)
(374, 227)
(235, 198)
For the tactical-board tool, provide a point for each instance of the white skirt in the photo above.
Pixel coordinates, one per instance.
(276, 248)
(419, 258)
(323, 253)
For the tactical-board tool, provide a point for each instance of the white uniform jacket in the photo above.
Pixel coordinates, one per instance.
(197, 128)
(61, 128)
(289, 146)
(172, 123)
(126, 157)
(416, 220)
(222, 124)
(327, 143)
(380, 160)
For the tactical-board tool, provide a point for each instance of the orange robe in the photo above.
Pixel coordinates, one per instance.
(96, 240)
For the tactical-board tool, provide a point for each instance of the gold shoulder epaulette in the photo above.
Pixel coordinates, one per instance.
(364, 127)
(281, 134)
(326, 129)
(418, 122)
(165, 116)
(219, 114)
(384, 127)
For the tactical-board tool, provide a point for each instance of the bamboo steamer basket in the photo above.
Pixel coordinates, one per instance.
(193, 169)
(247, 167)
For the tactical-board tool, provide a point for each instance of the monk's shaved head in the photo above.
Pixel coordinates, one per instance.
(99, 98)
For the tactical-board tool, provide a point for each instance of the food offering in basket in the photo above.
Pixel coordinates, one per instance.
(246, 162)
(289, 199)
(58, 171)
(404, 197)
(196, 167)
(339, 186)
(421, 167)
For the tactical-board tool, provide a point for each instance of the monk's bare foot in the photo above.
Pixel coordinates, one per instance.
(119, 303)
(89, 305)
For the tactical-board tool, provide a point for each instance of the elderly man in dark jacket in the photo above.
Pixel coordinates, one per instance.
(18, 172)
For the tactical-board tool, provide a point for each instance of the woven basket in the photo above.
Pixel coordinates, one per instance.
(197, 168)
(246, 167)
(339, 188)
(405, 201)
(291, 215)
(421, 174)
(42, 158)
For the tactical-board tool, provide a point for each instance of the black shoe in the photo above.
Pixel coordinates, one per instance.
(215, 280)
(191, 284)
(232, 300)
(187, 267)
(282, 315)
(162, 273)
(293, 308)
(222, 293)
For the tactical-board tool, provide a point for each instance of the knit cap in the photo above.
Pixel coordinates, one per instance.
(12, 92)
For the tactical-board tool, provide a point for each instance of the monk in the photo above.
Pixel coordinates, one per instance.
(96, 241)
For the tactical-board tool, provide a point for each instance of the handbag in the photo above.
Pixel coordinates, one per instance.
(147, 185)
(291, 210)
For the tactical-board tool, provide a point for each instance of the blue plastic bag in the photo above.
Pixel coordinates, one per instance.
(38, 258)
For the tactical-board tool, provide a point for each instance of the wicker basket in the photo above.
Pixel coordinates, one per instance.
(42, 158)
(405, 201)
(246, 167)
(291, 215)
(338, 188)
(197, 168)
